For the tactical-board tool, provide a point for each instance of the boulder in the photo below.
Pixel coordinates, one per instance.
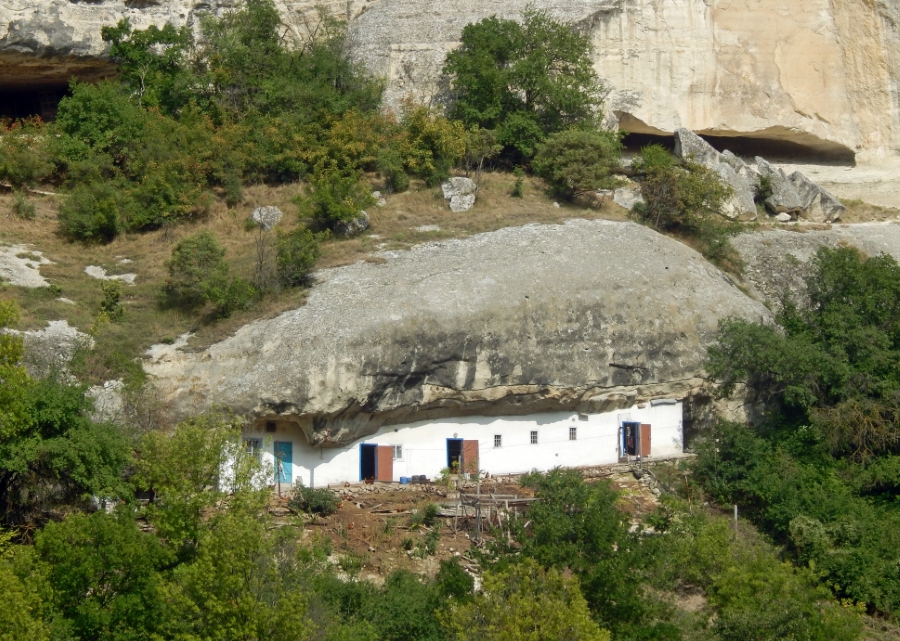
(379, 199)
(628, 197)
(512, 322)
(460, 192)
(733, 171)
(266, 217)
(819, 205)
(784, 198)
(353, 226)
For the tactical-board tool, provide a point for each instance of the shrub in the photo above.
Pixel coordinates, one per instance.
(425, 516)
(314, 501)
(432, 144)
(390, 166)
(199, 274)
(23, 207)
(503, 82)
(24, 158)
(296, 255)
(93, 211)
(577, 162)
(111, 305)
(334, 197)
(518, 190)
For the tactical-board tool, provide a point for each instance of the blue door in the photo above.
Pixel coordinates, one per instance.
(283, 461)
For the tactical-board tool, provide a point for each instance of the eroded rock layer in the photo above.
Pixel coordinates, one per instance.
(587, 316)
(820, 75)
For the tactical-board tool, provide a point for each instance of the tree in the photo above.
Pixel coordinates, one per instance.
(334, 197)
(525, 602)
(524, 80)
(578, 162)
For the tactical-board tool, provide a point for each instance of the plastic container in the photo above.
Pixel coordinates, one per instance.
(404, 480)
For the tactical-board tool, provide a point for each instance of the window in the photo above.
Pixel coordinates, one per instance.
(270, 426)
(253, 446)
(573, 433)
(534, 437)
(498, 440)
(398, 452)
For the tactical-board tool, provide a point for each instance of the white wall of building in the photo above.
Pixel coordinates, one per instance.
(425, 443)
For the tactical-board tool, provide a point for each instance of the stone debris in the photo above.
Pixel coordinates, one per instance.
(379, 199)
(784, 198)
(794, 195)
(731, 169)
(460, 192)
(100, 274)
(266, 217)
(818, 203)
(20, 265)
(352, 227)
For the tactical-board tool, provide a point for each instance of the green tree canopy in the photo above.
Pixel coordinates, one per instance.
(525, 80)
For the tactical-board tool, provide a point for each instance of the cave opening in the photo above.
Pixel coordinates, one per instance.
(27, 102)
(749, 147)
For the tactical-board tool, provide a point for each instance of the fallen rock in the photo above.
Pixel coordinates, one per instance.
(20, 265)
(784, 198)
(353, 226)
(266, 217)
(520, 320)
(99, 273)
(731, 170)
(460, 192)
(380, 200)
(819, 205)
(783, 218)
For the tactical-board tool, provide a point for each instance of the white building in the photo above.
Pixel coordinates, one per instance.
(497, 445)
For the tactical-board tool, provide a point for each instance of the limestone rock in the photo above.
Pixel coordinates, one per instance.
(51, 349)
(731, 169)
(783, 218)
(778, 260)
(99, 273)
(379, 199)
(266, 217)
(821, 74)
(460, 192)
(20, 265)
(628, 197)
(354, 226)
(515, 321)
(784, 198)
(819, 205)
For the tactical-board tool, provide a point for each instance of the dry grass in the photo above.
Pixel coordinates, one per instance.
(395, 226)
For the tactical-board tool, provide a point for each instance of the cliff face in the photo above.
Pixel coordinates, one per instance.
(587, 316)
(44, 43)
(822, 74)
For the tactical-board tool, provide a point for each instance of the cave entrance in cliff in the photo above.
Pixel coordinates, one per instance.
(27, 102)
(817, 151)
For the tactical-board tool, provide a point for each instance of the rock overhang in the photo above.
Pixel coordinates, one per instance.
(584, 316)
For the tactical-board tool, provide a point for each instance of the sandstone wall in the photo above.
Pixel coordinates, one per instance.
(819, 73)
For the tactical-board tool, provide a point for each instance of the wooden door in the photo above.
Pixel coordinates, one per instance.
(470, 457)
(384, 463)
(645, 439)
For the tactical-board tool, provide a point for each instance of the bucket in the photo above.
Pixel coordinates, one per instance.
(404, 480)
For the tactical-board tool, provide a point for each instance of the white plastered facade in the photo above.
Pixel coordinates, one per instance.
(597, 441)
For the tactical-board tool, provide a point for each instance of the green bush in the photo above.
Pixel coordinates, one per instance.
(23, 207)
(333, 198)
(24, 157)
(111, 304)
(578, 162)
(296, 255)
(425, 515)
(518, 190)
(199, 274)
(505, 83)
(390, 167)
(314, 501)
(93, 211)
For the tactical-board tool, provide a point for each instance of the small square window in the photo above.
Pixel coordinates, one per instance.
(270, 426)
(498, 440)
(573, 433)
(534, 437)
(398, 452)
(253, 446)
